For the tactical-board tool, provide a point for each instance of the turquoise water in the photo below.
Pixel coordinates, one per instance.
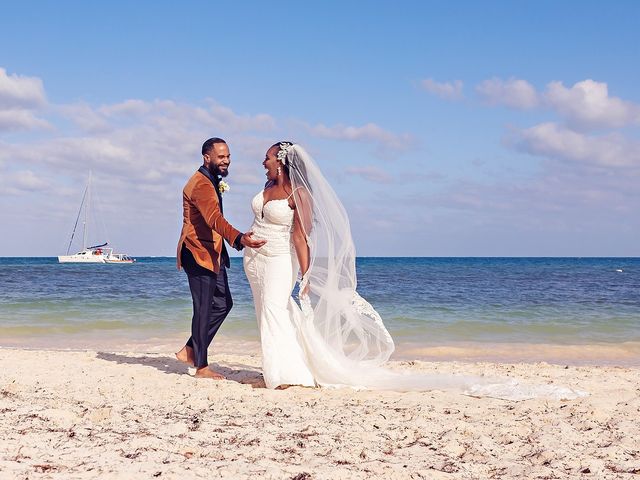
(423, 301)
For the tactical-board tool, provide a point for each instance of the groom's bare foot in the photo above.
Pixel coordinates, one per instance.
(206, 372)
(186, 356)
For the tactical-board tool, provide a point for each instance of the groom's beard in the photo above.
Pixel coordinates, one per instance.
(221, 173)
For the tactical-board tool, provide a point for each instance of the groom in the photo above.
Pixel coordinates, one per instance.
(203, 254)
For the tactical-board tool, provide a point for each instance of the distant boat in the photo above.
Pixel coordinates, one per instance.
(98, 253)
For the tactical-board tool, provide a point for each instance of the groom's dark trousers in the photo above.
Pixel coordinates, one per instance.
(211, 303)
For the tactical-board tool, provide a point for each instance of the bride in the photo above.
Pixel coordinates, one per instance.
(332, 337)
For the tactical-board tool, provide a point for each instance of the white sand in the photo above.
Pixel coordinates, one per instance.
(134, 415)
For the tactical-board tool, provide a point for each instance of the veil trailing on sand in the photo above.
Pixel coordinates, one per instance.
(345, 340)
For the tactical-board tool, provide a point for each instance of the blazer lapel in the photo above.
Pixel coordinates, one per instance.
(214, 181)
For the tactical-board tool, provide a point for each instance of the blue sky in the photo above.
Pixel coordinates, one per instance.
(448, 128)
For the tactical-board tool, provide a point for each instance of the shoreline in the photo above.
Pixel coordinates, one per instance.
(625, 354)
(108, 415)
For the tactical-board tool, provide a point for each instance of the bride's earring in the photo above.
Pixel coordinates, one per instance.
(279, 171)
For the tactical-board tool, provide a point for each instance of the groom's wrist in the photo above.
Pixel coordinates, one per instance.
(237, 244)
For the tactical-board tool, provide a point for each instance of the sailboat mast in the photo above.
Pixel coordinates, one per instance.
(85, 226)
(75, 225)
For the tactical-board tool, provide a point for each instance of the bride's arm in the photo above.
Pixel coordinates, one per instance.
(302, 222)
(300, 243)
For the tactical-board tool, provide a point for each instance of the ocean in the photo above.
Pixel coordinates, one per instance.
(538, 309)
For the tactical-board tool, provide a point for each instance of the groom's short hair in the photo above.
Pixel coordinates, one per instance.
(208, 145)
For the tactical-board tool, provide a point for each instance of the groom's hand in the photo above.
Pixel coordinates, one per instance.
(250, 242)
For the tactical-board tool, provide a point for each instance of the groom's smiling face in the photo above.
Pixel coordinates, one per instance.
(218, 159)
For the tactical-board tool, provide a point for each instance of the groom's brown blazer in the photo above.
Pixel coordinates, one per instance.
(204, 228)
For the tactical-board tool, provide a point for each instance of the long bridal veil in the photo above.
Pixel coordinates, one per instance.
(339, 314)
(344, 337)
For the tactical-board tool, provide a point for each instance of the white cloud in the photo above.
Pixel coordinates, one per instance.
(446, 90)
(165, 112)
(588, 104)
(20, 95)
(370, 173)
(21, 182)
(131, 108)
(20, 92)
(366, 133)
(554, 141)
(16, 119)
(585, 105)
(260, 122)
(514, 93)
(84, 116)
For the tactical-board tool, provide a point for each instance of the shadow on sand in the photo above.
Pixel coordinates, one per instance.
(232, 371)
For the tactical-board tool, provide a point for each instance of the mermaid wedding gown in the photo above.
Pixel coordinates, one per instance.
(272, 271)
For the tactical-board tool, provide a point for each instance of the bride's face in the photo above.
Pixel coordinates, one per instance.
(271, 163)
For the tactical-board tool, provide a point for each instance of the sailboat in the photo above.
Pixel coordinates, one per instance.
(97, 253)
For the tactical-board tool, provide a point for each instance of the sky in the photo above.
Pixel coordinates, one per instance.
(456, 128)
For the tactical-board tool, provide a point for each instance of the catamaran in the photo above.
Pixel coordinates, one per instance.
(98, 253)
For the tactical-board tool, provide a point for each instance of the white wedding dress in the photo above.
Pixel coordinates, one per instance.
(334, 338)
(272, 271)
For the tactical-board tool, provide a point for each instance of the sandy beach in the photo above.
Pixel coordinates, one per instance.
(88, 414)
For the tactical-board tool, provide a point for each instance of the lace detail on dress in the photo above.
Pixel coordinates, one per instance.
(305, 305)
(365, 308)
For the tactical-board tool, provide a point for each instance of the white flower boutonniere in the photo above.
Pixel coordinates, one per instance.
(223, 187)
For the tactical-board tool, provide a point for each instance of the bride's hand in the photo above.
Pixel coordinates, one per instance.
(303, 287)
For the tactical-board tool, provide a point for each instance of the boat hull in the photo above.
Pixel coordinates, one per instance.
(81, 259)
(102, 255)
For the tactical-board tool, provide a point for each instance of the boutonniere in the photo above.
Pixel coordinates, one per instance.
(223, 187)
